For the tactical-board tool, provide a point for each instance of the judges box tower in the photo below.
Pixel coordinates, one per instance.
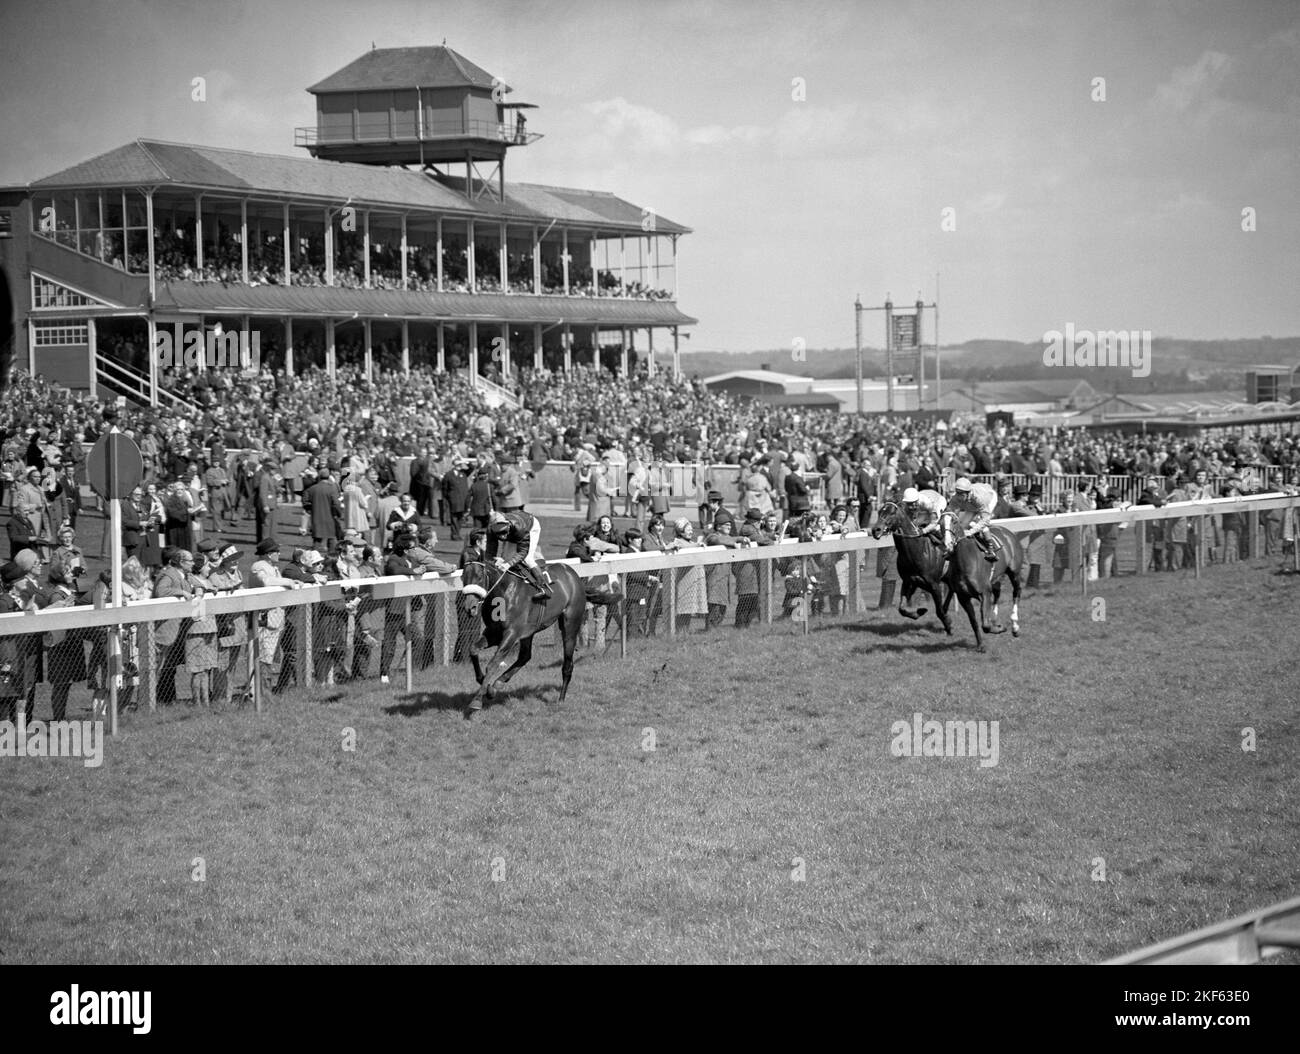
(419, 106)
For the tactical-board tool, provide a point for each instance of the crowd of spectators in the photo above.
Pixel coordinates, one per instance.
(373, 464)
(175, 260)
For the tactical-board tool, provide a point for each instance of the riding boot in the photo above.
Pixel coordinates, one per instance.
(541, 582)
(886, 594)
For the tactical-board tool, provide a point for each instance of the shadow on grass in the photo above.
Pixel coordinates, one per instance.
(416, 703)
(883, 629)
(937, 647)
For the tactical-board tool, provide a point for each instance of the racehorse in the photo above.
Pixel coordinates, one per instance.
(511, 619)
(972, 576)
(920, 562)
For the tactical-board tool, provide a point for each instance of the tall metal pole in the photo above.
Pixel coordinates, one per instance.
(857, 341)
(938, 384)
(920, 355)
(114, 664)
(889, 354)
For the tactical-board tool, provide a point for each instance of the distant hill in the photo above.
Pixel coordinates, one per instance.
(1176, 364)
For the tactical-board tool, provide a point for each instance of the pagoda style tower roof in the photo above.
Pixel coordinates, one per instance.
(399, 68)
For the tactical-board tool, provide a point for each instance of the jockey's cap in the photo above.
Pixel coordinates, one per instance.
(963, 485)
(499, 527)
(911, 494)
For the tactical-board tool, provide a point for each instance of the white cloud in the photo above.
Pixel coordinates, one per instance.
(626, 125)
(1197, 83)
(715, 134)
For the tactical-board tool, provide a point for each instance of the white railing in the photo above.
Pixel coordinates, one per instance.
(1246, 939)
(496, 395)
(136, 384)
(444, 623)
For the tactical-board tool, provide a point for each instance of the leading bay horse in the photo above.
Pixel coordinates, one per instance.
(510, 619)
(971, 576)
(920, 562)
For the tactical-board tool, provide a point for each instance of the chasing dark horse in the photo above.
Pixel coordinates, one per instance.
(967, 574)
(973, 577)
(920, 562)
(511, 620)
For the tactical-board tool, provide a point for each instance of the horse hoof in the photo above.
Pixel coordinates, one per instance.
(920, 612)
(909, 614)
(1015, 631)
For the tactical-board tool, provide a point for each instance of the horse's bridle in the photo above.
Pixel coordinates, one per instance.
(892, 508)
(513, 569)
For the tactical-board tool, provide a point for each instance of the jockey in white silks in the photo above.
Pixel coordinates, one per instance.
(925, 509)
(979, 500)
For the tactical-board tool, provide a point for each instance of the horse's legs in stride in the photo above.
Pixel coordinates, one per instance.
(525, 653)
(968, 605)
(498, 665)
(1015, 602)
(941, 609)
(905, 601)
(569, 629)
(478, 667)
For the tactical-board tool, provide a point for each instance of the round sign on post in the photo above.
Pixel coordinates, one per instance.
(114, 466)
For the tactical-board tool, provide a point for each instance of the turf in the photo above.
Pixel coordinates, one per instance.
(545, 832)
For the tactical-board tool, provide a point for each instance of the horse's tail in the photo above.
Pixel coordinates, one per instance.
(603, 591)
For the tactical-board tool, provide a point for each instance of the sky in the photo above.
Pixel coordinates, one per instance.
(815, 149)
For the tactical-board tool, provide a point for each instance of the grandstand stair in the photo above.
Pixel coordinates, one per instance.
(116, 378)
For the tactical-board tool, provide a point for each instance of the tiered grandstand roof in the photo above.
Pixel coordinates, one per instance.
(154, 162)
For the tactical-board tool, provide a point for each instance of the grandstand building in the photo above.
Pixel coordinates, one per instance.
(397, 243)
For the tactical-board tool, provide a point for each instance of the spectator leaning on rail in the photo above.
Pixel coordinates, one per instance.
(979, 500)
(717, 577)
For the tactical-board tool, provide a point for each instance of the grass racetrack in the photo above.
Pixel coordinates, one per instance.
(547, 833)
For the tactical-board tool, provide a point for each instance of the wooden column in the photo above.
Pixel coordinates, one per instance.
(406, 345)
(370, 360)
(676, 267)
(243, 237)
(505, 350)
(442, 347)
(473, 354)
(537, 346)
(153, 272)
(404, 250)
(471, 269)
(504, 260)
(288, 266)
(331, 362)
(622, 336)
(329, 250)
(622, 264)
(92, 341)
(439, 254)
(198, 232)
(677, 356)
(537, 265)
(365, 248)
(564, 257)
(288, 347)
(568, 349)
(650, 349)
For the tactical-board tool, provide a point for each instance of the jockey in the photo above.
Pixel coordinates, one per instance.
(978, 499)
(924, 508)
(524, 531)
